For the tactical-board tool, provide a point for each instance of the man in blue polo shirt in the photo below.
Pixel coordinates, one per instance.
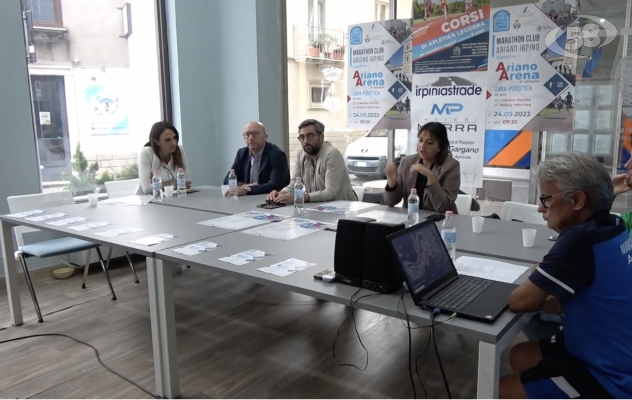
(587, 278)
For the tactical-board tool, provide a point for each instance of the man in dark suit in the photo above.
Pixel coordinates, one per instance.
(261, 167)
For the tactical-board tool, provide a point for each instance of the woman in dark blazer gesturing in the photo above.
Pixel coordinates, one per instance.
(432, 171)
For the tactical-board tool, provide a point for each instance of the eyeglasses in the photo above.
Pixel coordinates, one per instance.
(309, 137)
(254, 134)
(545, 200)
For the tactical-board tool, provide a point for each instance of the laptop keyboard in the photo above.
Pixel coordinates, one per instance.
(461, 293)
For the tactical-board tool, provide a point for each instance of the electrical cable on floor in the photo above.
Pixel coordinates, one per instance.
(96, 352)
(432, 325)
(351, 303)
(434, 340)
(410, 349)
(417, 367)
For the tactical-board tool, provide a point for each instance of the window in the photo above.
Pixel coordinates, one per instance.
(95, 94)
(321, 13)
(310, 12)
(316, 94)
(317, 78)
(316, 18)
(380, 11)
(45, 12)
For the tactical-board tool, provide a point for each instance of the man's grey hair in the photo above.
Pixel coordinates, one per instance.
(579, 172)
(319, 127)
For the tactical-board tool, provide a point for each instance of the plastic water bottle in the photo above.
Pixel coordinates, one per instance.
(299, 194)
(181, 182)
(156, 184)
(448, 233)
(413, 207)
(232, 184)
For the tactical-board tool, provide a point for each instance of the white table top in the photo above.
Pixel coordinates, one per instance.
(210, 198)
(318, 248)
(499, 239)
(152, 219)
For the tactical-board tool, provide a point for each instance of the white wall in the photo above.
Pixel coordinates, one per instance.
(404, 9)
(19, 156)
(225, 72)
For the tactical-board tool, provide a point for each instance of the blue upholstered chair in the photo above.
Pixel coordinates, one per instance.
(49, 248)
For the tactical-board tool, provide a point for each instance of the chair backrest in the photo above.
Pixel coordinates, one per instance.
(359, 191)
(464, 204)
(375, 198)
(122, 188)
(36, 201)
(521, 212)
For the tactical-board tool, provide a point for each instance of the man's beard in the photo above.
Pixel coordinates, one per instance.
(313, 150)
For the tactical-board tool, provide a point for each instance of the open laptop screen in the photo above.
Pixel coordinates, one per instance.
(423, 258)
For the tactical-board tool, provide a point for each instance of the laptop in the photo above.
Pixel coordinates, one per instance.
(434, 282)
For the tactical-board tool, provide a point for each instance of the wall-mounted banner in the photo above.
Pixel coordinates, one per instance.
(450, 36)
(531, 86)
(457, 101)
(106, 109)
(379, 76)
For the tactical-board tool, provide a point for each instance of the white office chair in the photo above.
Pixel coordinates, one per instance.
(464, 204)
(521, 212)
(49, 248)
(123, 189)
(359, 191)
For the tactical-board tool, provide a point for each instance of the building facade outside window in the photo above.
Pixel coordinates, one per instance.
(317, 72)
(45, 12)
(95, 89)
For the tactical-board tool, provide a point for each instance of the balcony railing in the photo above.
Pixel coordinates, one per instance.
(319, 42)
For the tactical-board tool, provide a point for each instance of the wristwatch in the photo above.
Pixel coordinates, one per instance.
(248, 189)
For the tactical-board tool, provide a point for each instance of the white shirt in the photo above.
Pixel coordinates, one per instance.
(148, 162)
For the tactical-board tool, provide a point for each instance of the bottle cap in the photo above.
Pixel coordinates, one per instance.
(298, 179)
(449, 214)
(413, 191)
(232, 170)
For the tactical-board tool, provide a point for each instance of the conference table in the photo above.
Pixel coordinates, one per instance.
(151, 219)
(181, 216)
(500, 239)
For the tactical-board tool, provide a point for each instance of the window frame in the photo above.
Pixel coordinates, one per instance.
(59, 20)
(378, 8)
(311, 104)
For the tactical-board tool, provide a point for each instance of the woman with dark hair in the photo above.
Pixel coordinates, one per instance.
(432, 171)
(162, 153)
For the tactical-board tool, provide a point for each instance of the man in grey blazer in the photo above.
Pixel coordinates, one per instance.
(320, 166)
(432, 171)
